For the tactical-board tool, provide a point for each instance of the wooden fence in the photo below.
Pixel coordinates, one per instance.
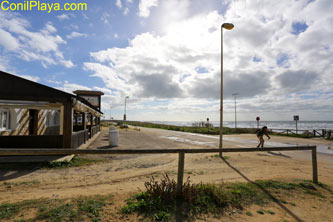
(94, 130)
(315, 132)
(181, 155)
(79, 138)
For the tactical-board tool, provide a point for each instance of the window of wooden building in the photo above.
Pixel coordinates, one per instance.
(4, 119)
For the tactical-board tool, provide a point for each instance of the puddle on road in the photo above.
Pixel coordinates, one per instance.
(178, 139)
(320, 148)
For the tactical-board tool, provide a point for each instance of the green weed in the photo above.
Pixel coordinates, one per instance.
(75, 162)
(75, 210)
(248, 213)
(60, 213)
(8, 211)
(161, 198)
(270, 212)
(25, 183)
(196, 128)
(260, 212)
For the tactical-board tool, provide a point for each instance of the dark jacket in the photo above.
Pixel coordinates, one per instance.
(262, 132)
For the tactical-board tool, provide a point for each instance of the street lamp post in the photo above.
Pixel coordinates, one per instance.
(125, 108)
(110, 111)
(227, 26)
(235, 94)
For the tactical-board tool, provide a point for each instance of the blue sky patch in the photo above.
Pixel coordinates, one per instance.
(256, 59)
(183, 78)
(299, 27)
(283, 60)
(201, 70)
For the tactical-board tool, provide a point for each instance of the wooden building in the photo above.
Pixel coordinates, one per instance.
(33, 115)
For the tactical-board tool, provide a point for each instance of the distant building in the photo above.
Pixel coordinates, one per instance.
(33, 115)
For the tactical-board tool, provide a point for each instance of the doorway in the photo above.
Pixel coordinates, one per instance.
(33, 122)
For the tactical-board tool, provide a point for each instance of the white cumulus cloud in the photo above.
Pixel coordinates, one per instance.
(264, 60)
(119, 4)
(145, 7)
(76, 35)
(42, 45)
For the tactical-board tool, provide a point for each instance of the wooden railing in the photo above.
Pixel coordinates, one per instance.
(181, 155)
(315, 132)
(94, 130)
(79, 138)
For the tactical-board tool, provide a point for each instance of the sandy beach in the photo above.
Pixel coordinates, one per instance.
(124, 175)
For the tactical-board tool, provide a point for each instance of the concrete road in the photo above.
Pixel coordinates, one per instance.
(145, 138)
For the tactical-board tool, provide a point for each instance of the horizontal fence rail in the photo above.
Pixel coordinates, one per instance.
(23, 152)
(181, 155)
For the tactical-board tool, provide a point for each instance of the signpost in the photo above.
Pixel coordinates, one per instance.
(258, 119)
(296, 118)
(125, 108)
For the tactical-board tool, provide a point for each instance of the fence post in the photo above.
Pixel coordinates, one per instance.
(181, 157)
(314, 165)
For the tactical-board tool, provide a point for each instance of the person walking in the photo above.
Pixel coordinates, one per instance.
(260, 134)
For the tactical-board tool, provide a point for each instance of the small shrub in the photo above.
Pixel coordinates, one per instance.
(270, 212)
(248, 213)
(161, 198)
(260, 212)
(162, 216)
(160, 201)
(123, 126)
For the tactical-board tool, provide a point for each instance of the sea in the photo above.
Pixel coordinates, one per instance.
(301, 125)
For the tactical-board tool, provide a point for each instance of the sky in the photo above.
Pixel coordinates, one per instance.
(166, 55)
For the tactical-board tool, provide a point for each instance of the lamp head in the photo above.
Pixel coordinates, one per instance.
(228, 26)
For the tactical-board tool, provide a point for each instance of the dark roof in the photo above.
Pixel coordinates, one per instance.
(87, 92)
(13, 87)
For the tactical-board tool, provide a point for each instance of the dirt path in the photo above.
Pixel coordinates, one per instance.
(125, 174)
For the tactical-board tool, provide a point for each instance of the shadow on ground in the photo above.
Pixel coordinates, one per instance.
(287, 210)
(10, 171)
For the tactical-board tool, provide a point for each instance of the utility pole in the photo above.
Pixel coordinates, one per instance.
(110, 111)
(125, 108)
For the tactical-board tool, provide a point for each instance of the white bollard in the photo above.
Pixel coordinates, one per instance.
(113, 136)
